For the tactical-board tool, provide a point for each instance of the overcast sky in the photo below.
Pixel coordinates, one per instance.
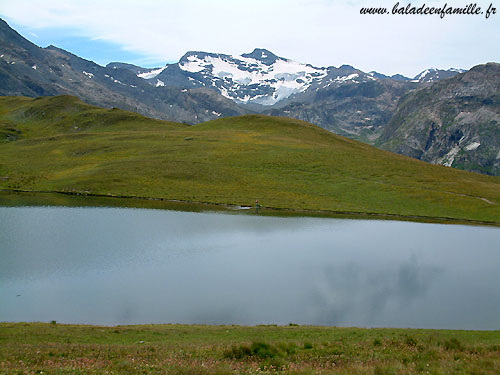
(320, 32)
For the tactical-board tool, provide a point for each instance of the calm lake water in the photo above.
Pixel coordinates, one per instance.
(127, 266)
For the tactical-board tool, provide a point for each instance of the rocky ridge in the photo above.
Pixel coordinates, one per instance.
(454, 122)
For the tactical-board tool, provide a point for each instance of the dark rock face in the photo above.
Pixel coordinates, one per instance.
(263, 55)
(454, 122)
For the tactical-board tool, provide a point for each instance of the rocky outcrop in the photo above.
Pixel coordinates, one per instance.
(455, 122)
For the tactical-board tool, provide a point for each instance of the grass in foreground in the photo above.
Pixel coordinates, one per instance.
(36, 348)
(62, 144)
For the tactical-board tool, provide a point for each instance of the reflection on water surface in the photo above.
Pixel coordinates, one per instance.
(127, 266)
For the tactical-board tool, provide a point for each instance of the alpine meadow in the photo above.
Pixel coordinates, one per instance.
(60, 144)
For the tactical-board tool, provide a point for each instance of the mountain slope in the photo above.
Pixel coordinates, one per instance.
(49, 144)
(454, 122)
(28, 70)
(358, 110)
(352, 103)
(204, 86)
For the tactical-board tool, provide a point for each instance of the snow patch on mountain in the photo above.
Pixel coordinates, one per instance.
(472, 146)
(434, 74)
(423, 74)
(152, 73)
(449, 158)
(347, 78)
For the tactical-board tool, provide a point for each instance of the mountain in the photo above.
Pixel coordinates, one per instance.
(454, 122)
(259, 77)
(421, 117)
(262, 78)
(357, 107)
(203, 86)
(28, 70)
(62, 144)
(200, 87)
(433, 75)
(133, 68)
(352, 103)
(400, 77)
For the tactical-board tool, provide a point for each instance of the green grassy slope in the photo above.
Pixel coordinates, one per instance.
(35, 348)
(62, 144)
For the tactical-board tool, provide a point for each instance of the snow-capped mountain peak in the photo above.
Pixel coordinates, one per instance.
(259, 77)
(434, 74)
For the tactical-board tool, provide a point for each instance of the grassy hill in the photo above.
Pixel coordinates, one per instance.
(61, 144)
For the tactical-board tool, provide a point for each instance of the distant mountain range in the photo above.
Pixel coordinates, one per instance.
(204, 86)
(261, 77)
(28, 70)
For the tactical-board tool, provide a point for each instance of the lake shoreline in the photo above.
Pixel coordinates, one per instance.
(197, 349)
(208, 326)
(267, 210)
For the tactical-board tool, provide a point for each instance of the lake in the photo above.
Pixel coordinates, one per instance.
(113, 266)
